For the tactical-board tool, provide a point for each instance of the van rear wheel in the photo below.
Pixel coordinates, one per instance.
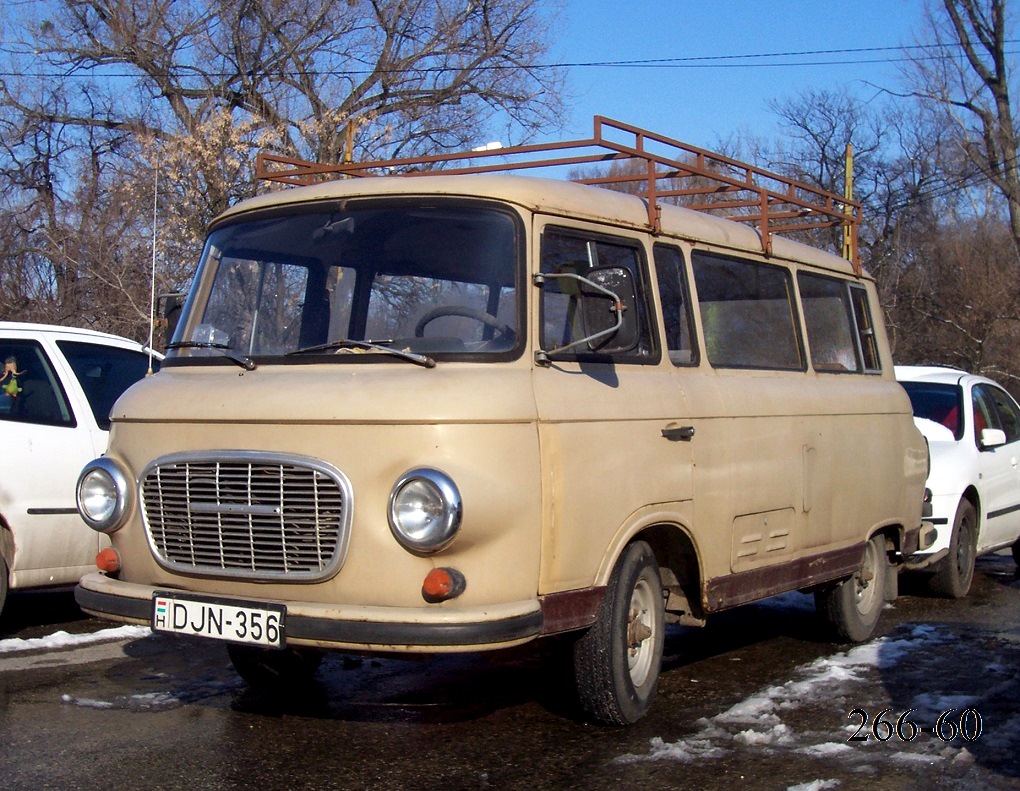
(616, 662)
(274, 669)
(851, 608)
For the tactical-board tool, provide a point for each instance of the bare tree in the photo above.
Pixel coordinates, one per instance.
(404, 76)
(965, 305)
(117, 96)
(965, 73)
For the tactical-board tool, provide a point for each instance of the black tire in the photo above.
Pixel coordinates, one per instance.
(955, 572)
(274, 669)
(851, 609)
(616, 662)
(1016, 553)
(3, 584)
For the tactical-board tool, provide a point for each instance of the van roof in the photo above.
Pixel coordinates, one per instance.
(555, 197)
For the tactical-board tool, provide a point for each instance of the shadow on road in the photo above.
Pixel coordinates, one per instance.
(31, 613)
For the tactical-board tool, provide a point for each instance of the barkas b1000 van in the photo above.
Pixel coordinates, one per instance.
(461, 412)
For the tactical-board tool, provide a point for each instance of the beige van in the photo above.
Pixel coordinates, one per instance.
(458, 412)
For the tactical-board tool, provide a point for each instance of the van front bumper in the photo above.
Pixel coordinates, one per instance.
(382, 629)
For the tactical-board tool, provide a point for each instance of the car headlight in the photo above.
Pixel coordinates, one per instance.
(425, 510)
(103, 495)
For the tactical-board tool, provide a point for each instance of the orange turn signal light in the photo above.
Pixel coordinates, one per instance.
(108, 560)
(442, 584)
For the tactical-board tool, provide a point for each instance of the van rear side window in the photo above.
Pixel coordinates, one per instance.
(747, 313)
(865, 329)
(829, 322)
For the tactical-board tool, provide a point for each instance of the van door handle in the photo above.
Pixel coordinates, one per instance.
(675, 433)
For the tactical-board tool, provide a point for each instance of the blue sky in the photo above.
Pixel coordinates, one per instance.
(705, 102)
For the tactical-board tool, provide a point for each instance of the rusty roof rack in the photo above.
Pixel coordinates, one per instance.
(705, 180)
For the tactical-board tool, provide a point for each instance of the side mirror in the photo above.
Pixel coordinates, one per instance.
(607, 301)
(169, 310)
(609, 309)
(992, 438)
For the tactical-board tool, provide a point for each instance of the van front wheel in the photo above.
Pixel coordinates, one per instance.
(851, 608)
(616, 662)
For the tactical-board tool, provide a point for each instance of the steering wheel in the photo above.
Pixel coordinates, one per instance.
(505, 330)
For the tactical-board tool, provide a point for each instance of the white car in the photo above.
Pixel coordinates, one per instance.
(56, 391)
(973, 430)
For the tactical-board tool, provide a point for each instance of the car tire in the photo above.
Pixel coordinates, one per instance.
(851, 609)
(955, 572)
(271, 669)
(3, 584)
(1016, 552)
(616, 662)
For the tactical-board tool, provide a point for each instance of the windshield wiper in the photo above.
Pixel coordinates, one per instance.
(245, 362)
(375, 346)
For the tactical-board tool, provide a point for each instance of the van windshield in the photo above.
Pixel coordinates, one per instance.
(439, 280)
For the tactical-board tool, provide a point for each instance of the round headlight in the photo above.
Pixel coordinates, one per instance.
(103, 492)
(425, 510)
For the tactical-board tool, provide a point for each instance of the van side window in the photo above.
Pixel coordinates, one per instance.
(828, 319)
(747, 313)
(565, 251)
(865, 329)
(676, 306)
(30, 391)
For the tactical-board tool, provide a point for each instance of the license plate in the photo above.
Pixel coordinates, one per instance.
(220, 619)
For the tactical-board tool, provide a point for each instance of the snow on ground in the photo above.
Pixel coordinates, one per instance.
(65, 640)
(815, 785)
(765, 722)
(143, 701)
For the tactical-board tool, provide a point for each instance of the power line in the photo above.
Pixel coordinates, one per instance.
(762, 60)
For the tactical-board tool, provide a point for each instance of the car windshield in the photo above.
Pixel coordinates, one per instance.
(940, 403)
(436, 280)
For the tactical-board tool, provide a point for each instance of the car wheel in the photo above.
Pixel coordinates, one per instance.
(851, 608)
(956, 572)
(274, 669)
(1016, 552)
(616, 662)
(3, 584)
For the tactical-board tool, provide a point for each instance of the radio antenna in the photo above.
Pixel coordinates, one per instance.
(152, 284)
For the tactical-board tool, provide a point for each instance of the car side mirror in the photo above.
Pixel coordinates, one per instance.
(992, 438)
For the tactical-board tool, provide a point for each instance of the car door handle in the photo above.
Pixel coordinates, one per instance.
(675, 433)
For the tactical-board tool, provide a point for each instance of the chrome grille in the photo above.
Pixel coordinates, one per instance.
(253, 515)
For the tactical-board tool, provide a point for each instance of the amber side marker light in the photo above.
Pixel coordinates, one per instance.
(108, 560)
(442, 584)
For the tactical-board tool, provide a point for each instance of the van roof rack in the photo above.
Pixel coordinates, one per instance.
(664, 168)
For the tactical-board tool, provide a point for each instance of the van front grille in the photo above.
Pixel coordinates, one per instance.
(251, 515)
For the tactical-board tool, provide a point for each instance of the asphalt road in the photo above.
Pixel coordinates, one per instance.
(754, 700)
